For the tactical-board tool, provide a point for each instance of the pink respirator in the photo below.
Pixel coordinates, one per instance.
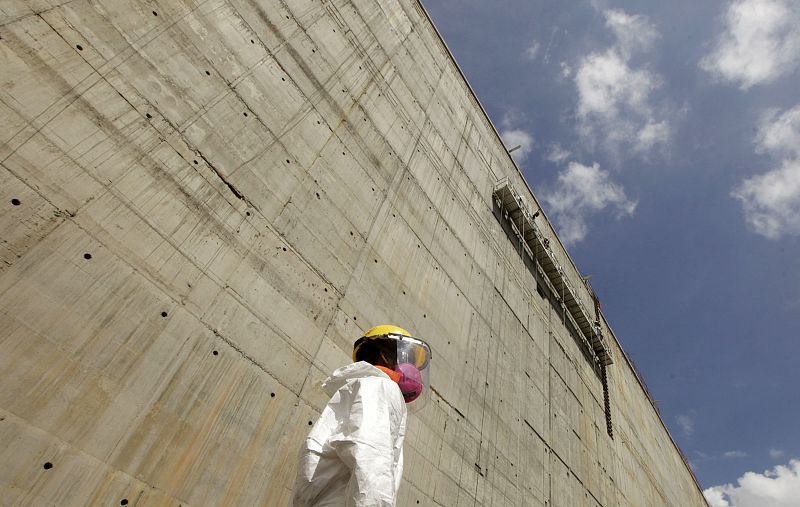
(410, 381)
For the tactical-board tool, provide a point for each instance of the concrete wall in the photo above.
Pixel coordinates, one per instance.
(205, 203)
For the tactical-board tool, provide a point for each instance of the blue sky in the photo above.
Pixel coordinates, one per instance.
(663, 140)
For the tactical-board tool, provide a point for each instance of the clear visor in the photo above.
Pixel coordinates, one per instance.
(410, 357)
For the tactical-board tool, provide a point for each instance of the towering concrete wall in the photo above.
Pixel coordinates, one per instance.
(205, 203)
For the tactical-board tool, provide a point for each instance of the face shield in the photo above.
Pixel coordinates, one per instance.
(407, 356)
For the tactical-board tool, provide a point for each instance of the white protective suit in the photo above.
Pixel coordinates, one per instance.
(353, 455)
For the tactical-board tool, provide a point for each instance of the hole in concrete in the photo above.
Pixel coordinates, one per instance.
(195, 162)
(271, 395)
(287, 161)
(376, 261)
(124, 501)
(15, 201)
(163, 314)
(318, 122)
(252, 41)
(247, 213)
(317, 195)
(244, 114)
(284, 249)
(283, 79)
(208, 73)
(351, 233)
(326, 289)
(313, 50)
(47, 466)
(309, 423)
(155, 13)
(80, 48)
(148, 115)
(87, 256)
(342, 153)
(424, 315)
(354, 318)
(404, 293)
(215, 352)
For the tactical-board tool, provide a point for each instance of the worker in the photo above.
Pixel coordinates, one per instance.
(353, 455)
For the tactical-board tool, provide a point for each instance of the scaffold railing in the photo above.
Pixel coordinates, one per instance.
(514, 208)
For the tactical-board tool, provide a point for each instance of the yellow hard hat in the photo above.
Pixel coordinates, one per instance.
(417, 351)
(385, 329)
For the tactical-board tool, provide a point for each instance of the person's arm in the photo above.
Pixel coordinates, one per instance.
(370, 426)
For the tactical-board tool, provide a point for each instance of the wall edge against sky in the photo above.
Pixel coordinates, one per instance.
(633, 369)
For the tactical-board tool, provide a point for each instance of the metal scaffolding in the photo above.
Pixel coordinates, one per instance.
(516, 211)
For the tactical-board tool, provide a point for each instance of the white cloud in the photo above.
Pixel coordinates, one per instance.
(557, 154)
(532, 51)
(651, 135)
(566, 70)
(514, 136)
(580, 191)
(776, 453)
(607, 85)
(779, 487)
(633, 32)
(734, 454)
(771, 201)
(686, 424)
(780, 133)
(615, 98)
(761, 42)
(715, 498)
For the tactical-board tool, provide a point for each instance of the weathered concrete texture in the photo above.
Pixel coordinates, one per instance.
(204, 204)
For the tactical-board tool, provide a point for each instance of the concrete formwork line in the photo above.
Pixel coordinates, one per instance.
(154, 276)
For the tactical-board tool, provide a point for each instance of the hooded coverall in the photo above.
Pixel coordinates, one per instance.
(353, 455)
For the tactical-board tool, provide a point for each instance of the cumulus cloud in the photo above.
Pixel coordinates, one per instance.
(686, 424)
(779, 487)
(580, 191)
(614, 97)
(513, 136)
(780, 133)
(771, 201)
(761, 42)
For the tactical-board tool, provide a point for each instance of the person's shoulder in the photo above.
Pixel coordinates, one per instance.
(384, 387)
